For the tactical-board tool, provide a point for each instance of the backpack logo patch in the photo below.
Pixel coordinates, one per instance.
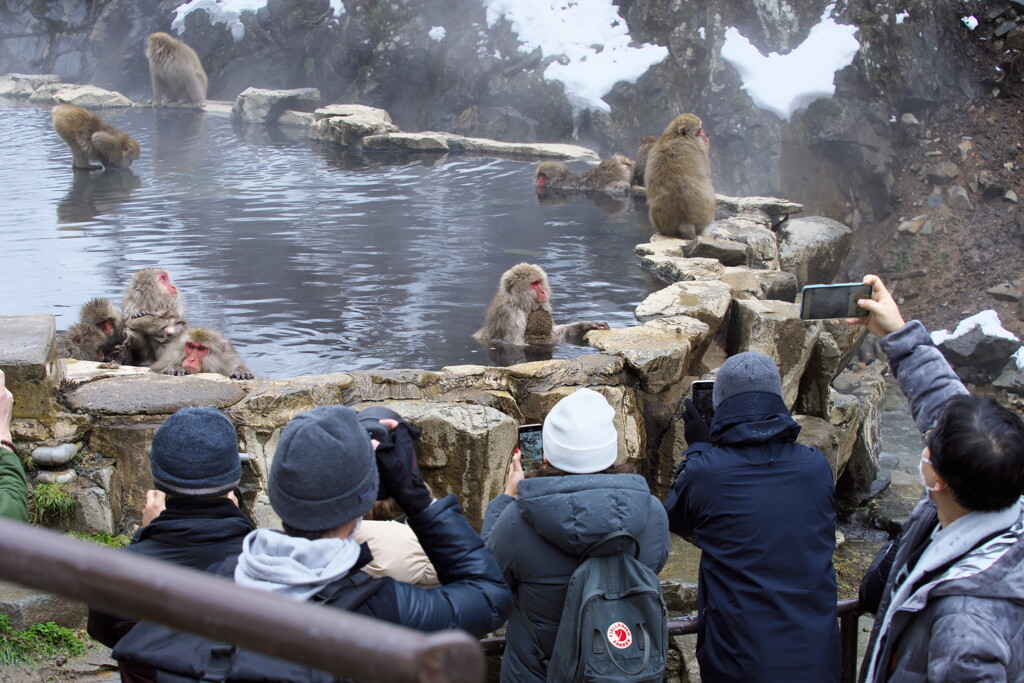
(619, 635)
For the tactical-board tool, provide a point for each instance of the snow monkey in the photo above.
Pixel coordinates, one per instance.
(640, 162)
(175, 71)
(680, 198)
(154, 315)
(201, 350)
(522, 291)
(89, 137)
(104, 316)
(611, 176)
(81, 341)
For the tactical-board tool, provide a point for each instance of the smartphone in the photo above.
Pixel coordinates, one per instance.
(530, 447)
(700, 394)
(820, 302)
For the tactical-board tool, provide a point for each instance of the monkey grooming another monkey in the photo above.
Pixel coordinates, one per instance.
(104, 316)
(81, 341)
(680, 198)
(175, 71)
(154, 314)
(640, 161)
(522, 291)
(201, 350)
(611, 176)
(89, 137)
(151, 291)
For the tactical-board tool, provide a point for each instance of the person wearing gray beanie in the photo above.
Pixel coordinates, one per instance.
(761, 508)
(191, 517)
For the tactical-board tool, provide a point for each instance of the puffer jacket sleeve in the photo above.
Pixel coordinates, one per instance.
(924, 375)
(13, 487)
(967, 647)
(677, 503)
(472, 595)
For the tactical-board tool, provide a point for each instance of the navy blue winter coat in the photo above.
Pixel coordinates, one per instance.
(761, 508)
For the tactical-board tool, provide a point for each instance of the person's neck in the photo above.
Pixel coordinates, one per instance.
(949, 510)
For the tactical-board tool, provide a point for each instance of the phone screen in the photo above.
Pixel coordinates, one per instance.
(700, 394)
(530, 447)
(820, 302)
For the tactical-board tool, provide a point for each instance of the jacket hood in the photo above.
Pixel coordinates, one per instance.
(753, 418)
(573, 511)
(1002, 580)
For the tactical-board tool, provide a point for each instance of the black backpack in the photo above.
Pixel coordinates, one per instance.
(180, 657)
(613, 625)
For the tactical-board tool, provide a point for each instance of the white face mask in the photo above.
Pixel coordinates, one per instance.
(920, 470)
(359, 525)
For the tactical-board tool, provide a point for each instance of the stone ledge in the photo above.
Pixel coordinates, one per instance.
(153, 394)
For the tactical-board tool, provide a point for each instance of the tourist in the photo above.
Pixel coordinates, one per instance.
(948, 593)
(323, 479)
(396, 550)
(13, 486)
(539, 527)
(761, 508)
(192, 517)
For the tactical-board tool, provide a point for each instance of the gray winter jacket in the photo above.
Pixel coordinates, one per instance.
(959, 615)
(538, 539)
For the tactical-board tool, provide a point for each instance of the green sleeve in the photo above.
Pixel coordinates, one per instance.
(13, 487)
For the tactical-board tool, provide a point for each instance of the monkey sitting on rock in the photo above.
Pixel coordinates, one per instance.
(89, 137)
(520, 312)
(680, 198)
(611, 176)
(175, 71)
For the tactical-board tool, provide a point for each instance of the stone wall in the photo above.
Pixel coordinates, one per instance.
(728, 294)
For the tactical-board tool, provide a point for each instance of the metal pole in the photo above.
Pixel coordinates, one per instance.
(336, 641)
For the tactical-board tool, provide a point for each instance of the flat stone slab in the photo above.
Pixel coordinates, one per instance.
(23, 85)
(773, 206)
(88, 96)
(25, 339)
(154, 394)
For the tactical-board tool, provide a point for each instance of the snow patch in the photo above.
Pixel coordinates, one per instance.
(901, 17)
(988, 321)
(436, 33)
(229, 13)
(784, 84)
(970, 22)
(593, 38)
(700, 32)
(1019, 357)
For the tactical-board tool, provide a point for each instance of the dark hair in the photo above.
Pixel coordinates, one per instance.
(546, 469)
(308, 535)
(978, 449)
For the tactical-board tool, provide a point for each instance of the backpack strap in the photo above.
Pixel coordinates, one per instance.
(349, 591)
(589, 550)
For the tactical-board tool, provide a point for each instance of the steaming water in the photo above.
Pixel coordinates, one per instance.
(309, 259)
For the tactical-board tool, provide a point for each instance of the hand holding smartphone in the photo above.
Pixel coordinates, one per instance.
(531, 447)
(822, 302)
(701, 395)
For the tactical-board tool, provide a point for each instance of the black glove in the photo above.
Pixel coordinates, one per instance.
(396, 461)
(694, 427)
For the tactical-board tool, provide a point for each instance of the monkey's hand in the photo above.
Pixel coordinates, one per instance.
(242, 374)
(140, 314)
(177, 372)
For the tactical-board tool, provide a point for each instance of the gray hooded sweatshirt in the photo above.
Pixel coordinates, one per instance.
(538, 540)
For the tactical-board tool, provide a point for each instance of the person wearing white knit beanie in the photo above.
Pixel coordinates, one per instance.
(539, 528)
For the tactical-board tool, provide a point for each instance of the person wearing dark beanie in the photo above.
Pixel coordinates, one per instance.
(761, 509)
(191, 516)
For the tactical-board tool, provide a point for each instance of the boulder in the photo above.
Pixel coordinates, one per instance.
(1012, 376)
(958, 198)
(979, 347)
(818, 433)
(822, 368)
(846, 415)
(27, 606)
(747, 283)
(867, 386)
(664, 257)
(28, 357)
(417, 142)
(349, 130)
(23, 85)
(813, 248)
(258, 105)
(762, 246)
(774, 328)
(706, 300)
(942, 172)
(772, 206)
(725, 251)
(297, 119)
(361, 110)
(88, 96)
(659, 352)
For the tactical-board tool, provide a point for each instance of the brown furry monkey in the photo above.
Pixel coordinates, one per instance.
(175, 71)
(201, 350)
(680, 198)
(148, 335)
(104, 316)
(81, 341)
(611, 176)
(640, 161)
(89, 137)
(151, 291)
(522, 291)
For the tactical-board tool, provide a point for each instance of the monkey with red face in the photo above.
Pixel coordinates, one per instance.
(611, 176)
(201, 350)
(154, 314)
(519, 313)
